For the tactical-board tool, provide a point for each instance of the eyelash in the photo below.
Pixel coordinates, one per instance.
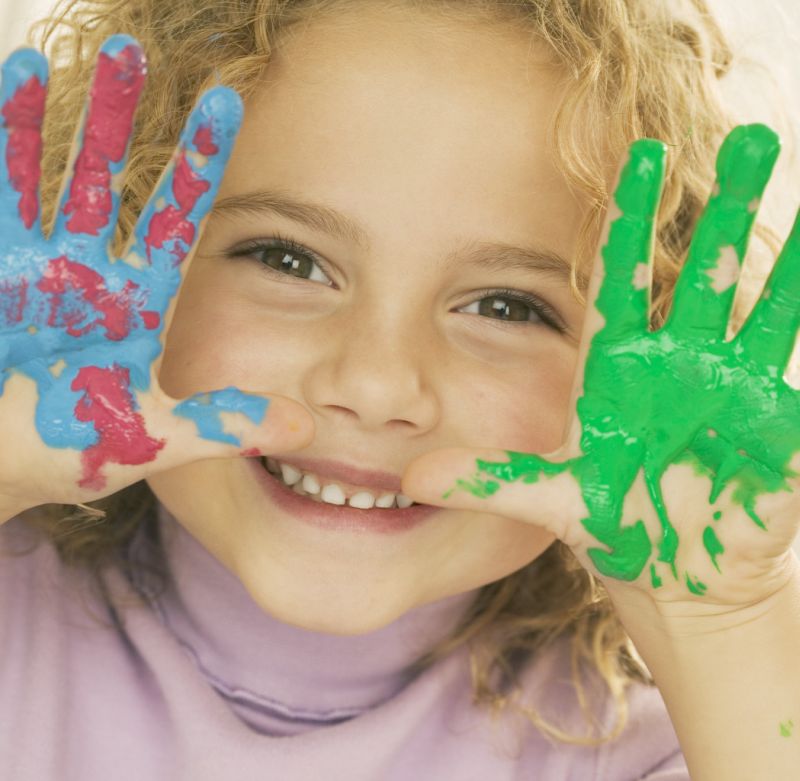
(279, 242)
(541, 309)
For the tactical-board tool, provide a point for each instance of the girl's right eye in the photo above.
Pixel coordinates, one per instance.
(286, 257)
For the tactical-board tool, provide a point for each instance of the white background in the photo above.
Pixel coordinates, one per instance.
(767, 31)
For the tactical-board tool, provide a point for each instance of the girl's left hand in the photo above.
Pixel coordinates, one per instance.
(679, 474)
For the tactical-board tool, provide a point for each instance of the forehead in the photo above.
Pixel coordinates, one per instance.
(405, 110)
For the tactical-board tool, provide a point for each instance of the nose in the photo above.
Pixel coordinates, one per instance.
(374, 369)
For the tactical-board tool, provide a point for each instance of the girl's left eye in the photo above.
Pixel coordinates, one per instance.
(284, 256)
(516, 307)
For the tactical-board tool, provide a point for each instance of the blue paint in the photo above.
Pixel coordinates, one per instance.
(205, 408)
(50, 344)
(22, 65)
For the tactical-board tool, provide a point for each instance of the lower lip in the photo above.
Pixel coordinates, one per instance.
(340, 517)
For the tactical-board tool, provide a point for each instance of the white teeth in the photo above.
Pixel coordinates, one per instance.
(331, 493)
(310, 484)
(385, 500)
(290, 474)
(363, 500)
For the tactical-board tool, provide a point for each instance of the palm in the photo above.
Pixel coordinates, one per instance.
(681, 394)
(85, 326)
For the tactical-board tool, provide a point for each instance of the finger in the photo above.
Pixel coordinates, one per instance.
(768, 335)
(230, 423)
(522, 486)
(154, 432)
(557, 495)
(618, 298)
(623, 297)
(705, 288)
(22, 103)
(170, 224)
(90, 196)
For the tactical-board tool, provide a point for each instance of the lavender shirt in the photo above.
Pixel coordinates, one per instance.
(204, 685)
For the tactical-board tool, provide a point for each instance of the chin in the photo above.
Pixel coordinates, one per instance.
(347, 609)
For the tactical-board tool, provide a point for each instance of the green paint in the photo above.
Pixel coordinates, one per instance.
(476, 486)
(695, 586)
(654, 578)
(717, 515)
(749, 507)
(681, 394)
(712, 545)
(786, 728)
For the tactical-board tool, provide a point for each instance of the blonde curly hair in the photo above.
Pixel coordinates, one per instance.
(637, 68)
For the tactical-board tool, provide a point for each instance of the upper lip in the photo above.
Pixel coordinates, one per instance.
(345, 473)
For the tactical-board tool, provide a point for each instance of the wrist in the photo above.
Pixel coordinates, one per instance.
(728, 676)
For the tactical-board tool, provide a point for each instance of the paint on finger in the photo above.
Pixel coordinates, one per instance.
(116, 88)
(206, 409)
(23, 103)
(172, 226)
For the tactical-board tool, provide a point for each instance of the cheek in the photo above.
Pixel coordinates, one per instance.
(212, 344)
(524, 409)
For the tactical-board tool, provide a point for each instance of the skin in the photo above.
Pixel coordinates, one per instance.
(682, 498)
(740, 429)
(392, 362)
(80, 327)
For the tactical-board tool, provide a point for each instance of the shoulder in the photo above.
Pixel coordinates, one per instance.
(647, 749)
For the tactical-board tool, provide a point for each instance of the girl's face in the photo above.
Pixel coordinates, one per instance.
(426, 307)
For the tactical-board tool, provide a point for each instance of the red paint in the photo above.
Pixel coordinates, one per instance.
(204, 141)
(65, 281)
(250, 452)
(13, 297)
(22, 116)
(108, 404)
(115, 92)
(150, 319)
(171, 224)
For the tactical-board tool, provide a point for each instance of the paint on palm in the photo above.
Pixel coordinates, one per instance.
(680, 394)
(85, 325)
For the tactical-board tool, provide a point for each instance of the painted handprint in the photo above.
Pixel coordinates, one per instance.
(84, 325)
(681, 394)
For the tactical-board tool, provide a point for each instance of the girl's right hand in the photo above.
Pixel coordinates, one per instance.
(81, 330)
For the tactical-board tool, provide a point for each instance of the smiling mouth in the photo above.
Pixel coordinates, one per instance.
(327, 491)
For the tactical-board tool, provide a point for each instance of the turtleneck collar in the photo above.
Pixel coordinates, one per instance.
(278, 677)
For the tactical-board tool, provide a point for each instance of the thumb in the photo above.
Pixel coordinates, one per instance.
(226, 423)
(530, 488)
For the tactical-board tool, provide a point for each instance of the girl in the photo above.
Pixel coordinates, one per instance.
(295, 557)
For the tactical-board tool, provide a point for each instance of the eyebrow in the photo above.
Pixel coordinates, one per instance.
(492, 256)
